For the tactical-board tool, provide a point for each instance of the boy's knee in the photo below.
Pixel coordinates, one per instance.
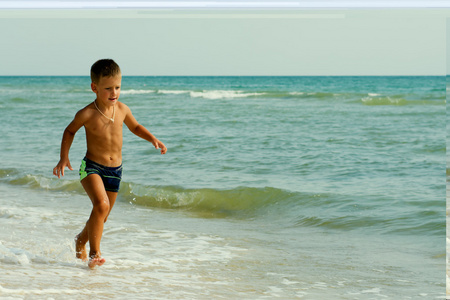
(102, 207)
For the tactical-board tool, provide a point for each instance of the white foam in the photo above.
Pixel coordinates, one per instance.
(371, 291)
(174, 92)
(275, 291)
(382, 100)
(320, 285)
(15, 256)
(5, 213)
(46, 292)
(136, 92)
(223, 94)
(288, 282)
(447, 278)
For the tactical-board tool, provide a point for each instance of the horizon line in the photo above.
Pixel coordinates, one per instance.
(233, 75)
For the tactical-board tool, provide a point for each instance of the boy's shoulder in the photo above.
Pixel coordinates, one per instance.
(123, 107)
(86, 111)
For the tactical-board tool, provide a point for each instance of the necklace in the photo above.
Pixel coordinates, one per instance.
(114, 112)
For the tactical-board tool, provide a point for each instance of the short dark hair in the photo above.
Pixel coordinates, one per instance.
(104, 68)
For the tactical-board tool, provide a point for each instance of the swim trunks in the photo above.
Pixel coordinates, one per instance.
(111, 176)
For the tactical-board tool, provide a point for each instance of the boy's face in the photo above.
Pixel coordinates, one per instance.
(107, 89)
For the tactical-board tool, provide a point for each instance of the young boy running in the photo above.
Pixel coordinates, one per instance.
(101, 168)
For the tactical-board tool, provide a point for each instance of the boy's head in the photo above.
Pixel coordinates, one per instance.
(104, 68)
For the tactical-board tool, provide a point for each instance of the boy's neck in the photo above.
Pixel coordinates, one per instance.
(103, 107)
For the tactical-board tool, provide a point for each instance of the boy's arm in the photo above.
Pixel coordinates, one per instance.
(67, 139)
(141, 131)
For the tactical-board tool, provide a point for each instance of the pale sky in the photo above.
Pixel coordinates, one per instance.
(256, 41)
(225, 4)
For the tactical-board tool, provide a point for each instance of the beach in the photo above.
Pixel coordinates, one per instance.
(272, 187)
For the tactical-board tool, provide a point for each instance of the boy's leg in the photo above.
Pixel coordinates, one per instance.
(112, 196)
(80, 243)
(93, 230)
(83, 237)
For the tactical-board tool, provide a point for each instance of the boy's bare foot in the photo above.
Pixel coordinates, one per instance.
(96, 261)
(80, 249)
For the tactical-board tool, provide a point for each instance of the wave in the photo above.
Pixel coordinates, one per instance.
(327, 211)
(223, 94)
(136, 92)
(319, 95)
(233, 94)
(240, 201)
(14, 177)
(383, 101)
(400, 101)
(351, 97)
(173, 92)
(230, 94)
(206, 94)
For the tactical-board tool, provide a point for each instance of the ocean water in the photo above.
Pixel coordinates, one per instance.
(272, 187)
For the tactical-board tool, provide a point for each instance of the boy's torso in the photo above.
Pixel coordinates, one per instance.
(104, 137)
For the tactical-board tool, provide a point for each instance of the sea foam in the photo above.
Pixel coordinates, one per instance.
(223, 94)
(136, 92)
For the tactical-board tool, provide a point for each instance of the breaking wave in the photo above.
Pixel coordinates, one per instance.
(292, 209)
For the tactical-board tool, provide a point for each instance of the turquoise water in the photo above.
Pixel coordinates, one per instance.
(291, 187)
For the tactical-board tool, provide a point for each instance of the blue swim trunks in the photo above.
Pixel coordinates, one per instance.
(111, 176)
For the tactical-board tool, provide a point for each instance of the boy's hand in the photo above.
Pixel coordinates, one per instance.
(59, 169)
(159, 145)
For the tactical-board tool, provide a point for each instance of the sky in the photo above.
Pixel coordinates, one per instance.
(259, 40)
(224, 3)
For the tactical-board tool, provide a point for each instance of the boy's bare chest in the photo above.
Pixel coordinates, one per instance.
(104, 128)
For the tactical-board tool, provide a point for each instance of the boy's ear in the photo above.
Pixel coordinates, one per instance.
(94, 87)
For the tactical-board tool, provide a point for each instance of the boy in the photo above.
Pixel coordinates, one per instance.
(101, 169)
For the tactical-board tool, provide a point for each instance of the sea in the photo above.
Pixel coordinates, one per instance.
(272, 188)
